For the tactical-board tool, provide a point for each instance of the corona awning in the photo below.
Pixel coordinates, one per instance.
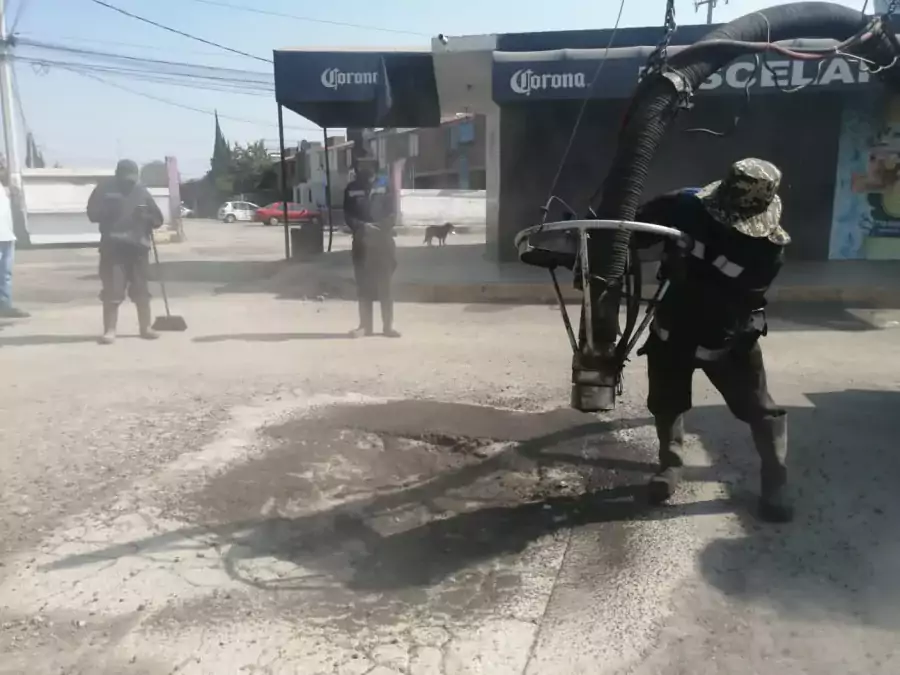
(358, 88)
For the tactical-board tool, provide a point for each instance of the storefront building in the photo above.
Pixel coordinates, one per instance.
(830, 126)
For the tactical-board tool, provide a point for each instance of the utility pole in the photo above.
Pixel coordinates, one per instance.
(710, 7)
(13, 167)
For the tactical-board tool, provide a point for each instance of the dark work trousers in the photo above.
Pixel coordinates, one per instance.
(739, 375)
(124, 271)
(373, 269)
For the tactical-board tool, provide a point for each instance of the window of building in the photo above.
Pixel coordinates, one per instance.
(466, 132)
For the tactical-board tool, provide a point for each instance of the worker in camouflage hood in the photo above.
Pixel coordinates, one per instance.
(127, 215)
(712, 317)
(368, 214)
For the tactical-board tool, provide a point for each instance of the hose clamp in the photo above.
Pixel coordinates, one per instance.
(682, 86)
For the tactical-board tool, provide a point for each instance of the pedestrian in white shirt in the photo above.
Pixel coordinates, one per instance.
(7, 256)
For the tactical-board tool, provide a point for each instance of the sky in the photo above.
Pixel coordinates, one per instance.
(84, 123)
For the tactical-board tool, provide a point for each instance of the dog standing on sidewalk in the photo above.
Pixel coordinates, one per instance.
(439, 232)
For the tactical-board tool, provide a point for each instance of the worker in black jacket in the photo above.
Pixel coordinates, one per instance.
(712, 317)
(127, 214)
(368, 214)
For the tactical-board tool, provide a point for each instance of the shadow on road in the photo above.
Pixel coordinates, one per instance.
(271, 337)
(426, 492)
(839, 559)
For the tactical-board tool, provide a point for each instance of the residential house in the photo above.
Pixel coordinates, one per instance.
(451, 156)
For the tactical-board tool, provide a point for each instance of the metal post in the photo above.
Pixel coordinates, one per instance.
(13, 168)
(328, 188)
(284, 190)
(710, 6)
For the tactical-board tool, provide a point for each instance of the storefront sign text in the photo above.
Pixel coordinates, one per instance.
(334, 78)
(526, 81)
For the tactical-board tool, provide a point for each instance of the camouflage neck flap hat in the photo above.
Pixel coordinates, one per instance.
(747, 200)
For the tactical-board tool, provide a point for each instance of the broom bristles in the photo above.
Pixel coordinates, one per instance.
(171, 324)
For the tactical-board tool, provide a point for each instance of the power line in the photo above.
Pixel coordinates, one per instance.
(176, 104)
(192, 82)
(20, 12)
(235, 72)
(178, 32)
(114, 43)
(282, 15)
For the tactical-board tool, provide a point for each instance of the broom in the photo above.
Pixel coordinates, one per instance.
(170, 322)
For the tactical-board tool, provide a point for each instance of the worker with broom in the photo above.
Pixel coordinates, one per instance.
(127, 215)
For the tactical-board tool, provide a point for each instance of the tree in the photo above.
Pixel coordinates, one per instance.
(155, 174)
(249, 164)
(33, 157)
(220, 164)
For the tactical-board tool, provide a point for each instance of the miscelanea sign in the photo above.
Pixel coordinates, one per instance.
(787, 74)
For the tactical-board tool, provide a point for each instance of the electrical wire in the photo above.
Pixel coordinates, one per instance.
(188, 82)
(153, 63)
(212, 82)
(20, 36)
(20, 12)
(583, 109)
(283, 15)
(178, 32)
(176, 104)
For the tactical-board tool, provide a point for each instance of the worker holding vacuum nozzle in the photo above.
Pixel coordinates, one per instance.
(127, 215)
(712, 317)
(368, 214)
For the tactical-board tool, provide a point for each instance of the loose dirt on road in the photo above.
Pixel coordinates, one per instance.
(262, 495)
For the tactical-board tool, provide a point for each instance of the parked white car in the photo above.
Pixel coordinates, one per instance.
(232, 211)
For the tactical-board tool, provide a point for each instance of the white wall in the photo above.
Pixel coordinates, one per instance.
(420, 208)
(56, 204)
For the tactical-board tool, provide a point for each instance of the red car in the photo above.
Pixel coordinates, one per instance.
(273, 214)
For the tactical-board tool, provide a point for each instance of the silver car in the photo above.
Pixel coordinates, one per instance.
(232, 211)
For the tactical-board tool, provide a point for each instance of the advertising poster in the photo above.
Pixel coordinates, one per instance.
(866, 221)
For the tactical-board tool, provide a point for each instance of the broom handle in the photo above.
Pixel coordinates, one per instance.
(159, 274)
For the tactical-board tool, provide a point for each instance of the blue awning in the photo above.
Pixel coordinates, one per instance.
(569, 74)
(358, 88)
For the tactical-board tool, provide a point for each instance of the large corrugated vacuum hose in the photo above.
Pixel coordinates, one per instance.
(657, 99)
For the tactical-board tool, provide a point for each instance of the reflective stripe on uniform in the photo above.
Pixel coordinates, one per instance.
(728, 268)
(723, 264)
(699, 250)
(356, 193)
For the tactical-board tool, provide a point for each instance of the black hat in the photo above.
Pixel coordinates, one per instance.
(126, 168)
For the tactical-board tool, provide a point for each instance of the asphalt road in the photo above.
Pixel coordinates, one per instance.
(261, 495)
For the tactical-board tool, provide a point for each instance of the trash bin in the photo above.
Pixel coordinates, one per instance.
(307, 240)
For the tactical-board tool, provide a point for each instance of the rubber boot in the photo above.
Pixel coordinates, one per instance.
(366, 320)
(110, 321)
(387, 318)
(670, 432)
(771, 441)
(145, 319)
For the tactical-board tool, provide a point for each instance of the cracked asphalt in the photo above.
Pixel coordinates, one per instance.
(259, 495)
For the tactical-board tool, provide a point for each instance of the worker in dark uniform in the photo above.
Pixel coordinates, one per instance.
(127, 215)
(712, 317)
(368, 214)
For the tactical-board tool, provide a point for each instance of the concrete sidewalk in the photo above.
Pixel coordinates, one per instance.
(460, 273)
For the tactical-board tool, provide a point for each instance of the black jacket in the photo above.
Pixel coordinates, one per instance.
(124, 216)
(368, 214)
(717, 289)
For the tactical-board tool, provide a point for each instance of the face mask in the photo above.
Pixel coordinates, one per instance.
(127, 184)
